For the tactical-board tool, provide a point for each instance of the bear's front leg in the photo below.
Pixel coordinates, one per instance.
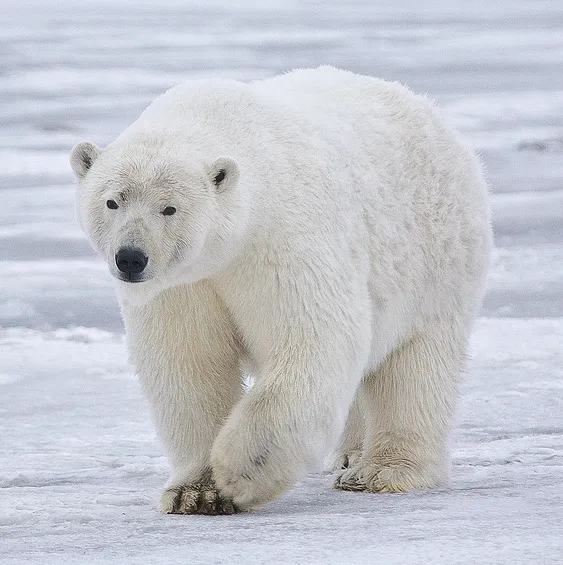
(287, 422)
(187, 356)
(295, 412)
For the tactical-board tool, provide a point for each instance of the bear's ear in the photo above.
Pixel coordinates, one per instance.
(223, 173)
(82, 157)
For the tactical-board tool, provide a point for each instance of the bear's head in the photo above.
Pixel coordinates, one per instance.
(160, 216)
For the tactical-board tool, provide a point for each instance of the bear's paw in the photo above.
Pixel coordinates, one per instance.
(388, 476)
(196, 498)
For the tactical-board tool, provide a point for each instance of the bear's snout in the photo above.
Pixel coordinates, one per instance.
(131, 262)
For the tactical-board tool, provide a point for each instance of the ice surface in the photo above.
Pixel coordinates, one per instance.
(81, 468)
(79, 464)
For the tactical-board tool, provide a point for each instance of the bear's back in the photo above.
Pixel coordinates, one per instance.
(327, 94)
(325, 97)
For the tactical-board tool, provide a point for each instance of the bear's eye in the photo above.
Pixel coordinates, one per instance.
(220, 177)
(112, 205)
(169, 210)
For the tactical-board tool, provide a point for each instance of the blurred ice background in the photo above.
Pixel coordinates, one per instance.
(79, 466)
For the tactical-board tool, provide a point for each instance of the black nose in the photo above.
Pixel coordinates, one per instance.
(131, 261)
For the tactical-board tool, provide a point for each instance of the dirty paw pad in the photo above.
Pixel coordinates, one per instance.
(196, 499)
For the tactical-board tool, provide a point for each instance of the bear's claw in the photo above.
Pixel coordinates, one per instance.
(343, 461)
(197, 498)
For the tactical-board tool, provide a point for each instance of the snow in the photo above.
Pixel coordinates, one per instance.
(80, 468)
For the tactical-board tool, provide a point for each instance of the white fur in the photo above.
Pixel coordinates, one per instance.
(343, 256)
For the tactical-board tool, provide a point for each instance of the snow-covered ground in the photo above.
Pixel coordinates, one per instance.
(79, 464)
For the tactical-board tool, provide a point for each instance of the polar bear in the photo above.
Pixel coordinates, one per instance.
(327, 230)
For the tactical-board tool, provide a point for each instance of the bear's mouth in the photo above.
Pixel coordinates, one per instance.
(131, 277)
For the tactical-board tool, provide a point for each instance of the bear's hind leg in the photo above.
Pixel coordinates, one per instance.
(349, 450)
(409, 404)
